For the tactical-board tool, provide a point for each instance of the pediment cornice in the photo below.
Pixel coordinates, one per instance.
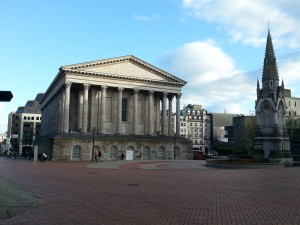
(121, 77)
(76, 68)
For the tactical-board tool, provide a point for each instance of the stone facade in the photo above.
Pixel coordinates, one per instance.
(119, 97)
(272, 139)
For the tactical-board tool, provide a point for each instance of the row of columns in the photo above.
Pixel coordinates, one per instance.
(62, 104)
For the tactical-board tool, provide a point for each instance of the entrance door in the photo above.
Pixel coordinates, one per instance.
(129, 154)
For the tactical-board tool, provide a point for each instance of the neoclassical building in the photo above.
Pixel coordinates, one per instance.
(117, 105)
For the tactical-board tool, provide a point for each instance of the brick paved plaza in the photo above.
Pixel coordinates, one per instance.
(169, 192)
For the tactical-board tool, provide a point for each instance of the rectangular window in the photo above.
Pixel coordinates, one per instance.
(124, 109)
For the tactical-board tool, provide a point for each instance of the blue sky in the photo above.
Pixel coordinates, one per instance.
(217, 46)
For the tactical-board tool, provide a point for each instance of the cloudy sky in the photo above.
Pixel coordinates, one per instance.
(217, 46)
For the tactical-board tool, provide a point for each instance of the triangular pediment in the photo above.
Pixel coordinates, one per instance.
(124, 67)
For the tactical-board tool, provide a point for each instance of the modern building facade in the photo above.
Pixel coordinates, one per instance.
(243, 133)
(272, 140)
(219, 123)
(24, 125)
(118, 106)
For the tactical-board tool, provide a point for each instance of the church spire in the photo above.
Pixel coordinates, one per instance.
(270, 71)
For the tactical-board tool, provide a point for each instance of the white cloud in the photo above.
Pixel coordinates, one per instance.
(213, 80)
(246, 21)
(145, 18)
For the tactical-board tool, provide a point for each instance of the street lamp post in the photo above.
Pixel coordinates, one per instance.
(94, 131)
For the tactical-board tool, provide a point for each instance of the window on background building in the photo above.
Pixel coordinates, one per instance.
(124, 109)
(191, 124)
(37, 118)
(25, 117)
(196, 124)
(32, 118)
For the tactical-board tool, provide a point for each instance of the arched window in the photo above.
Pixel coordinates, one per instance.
(177, 153)
(113, 152)
(161, 153)
(76, 153)
(146, 153)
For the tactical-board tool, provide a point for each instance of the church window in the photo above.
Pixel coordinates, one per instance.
(124, 109)
(295, 104)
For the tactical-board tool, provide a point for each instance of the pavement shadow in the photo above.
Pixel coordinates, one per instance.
(14, 199)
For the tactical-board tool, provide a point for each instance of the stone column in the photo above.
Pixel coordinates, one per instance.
(80, 110)
(170, 115)
(119, 116)
(85, 107)
(135, 111)
(63, 99)
(150, 113)
(103, 104)
(99, 110)
(67, 106)
(164, 114)
(59, 111)
(178, 96)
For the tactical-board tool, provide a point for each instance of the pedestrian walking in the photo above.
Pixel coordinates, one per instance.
(122, 156)
(96, 154)
(100, 154)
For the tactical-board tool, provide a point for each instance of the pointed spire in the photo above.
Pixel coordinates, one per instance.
(282, 84)
(270, 71)
(258, 87)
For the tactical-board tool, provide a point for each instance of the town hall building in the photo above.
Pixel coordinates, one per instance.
(117, 106)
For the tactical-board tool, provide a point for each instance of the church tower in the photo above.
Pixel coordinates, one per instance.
(272, 140)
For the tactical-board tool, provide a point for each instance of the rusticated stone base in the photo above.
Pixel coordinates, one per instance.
(62, 147)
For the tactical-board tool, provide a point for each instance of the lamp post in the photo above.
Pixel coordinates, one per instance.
(94, 131)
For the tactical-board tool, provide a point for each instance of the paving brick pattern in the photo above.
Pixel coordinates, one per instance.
(173, 193)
